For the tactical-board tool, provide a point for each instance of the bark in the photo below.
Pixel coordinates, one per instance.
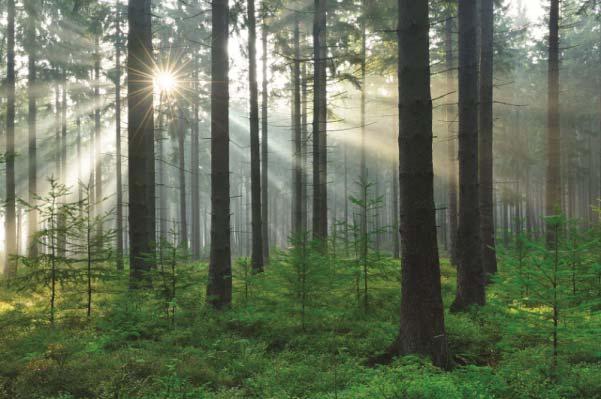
(119, 183)
(140, 132)
(487, 227)
(10, 267)
(264, 148)
(396, 250)
(470, 273)
(297, 176)
(422, 315)
(364, 172)
(32, 216)
(451, 143)
(97, 132)
(553, 176)
(195, 166)
(181, 141)
(255, 150)
(219, 287)
(304, 139)
(320, 204)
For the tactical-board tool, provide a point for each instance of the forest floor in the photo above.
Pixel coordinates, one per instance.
(132, 348)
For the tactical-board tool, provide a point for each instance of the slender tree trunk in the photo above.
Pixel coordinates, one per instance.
(487, 227)
(140, 142)
(32, 216)
(470, 273)
(363, 165)
(119, 183)
(255, 150)
(181, 143)
(320, 203)
(264, 147)
(304, 139)
(553, 177)
(451, 140)
(219, 288)
(162, 213)
(297, 176)
(422, 316)
(195, 166)
(97, 133)
(10, 268)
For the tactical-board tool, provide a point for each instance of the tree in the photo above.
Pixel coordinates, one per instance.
(470, 276)
(119, 209)
(553, 186)
(10, 268)
(485, 150)
(297, 174)
(255, 156)
(140, 132)
(181, 154)
(219, 287)
(264, 143)
(422, 316)
(320, 53)
(30, 44)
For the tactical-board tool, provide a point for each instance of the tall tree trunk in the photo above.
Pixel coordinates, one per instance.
(487, 227)
(304, 139)
(32, 216)
(97, 132)
(470, 273)
(396, 250)
(422, 316)
(10, 267)
(119, 188)
(297, 185)
(451, 140)
(162, 213)
(264, 145)
(181, 143)
(255, 148)
(219, 287)
(320, 202)
(140, 131)
(195, 166)
(553, 186)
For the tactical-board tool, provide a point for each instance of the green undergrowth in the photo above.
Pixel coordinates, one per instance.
(266, 346)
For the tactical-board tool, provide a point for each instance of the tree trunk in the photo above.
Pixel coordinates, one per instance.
(304, 139)
(118, 177)
(451, 140)
(219, 287)
(422, 316)
(264, 147)
(140, 131)
(487, 227)
(396, 250)
(297, 212)
(30, 37)
(181, 144)
(195, 166)
(255, 150)
(10, 267)
(97, 132)
(553, 186)
(320, 203)
(470, 273)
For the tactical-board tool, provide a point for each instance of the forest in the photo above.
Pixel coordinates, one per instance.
(337, 199)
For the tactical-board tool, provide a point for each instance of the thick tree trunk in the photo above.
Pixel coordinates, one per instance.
(297, 176)
(181, 146)
(140, 142)
(32, 216)
(553, 177)
(118, 177)
(451, 142)
(219, 287)
(396, 248)
(264, 146)
(487, 227)
(10, 267)
(422, 316)
(470, 273)
(255, 149)
(320, 202)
